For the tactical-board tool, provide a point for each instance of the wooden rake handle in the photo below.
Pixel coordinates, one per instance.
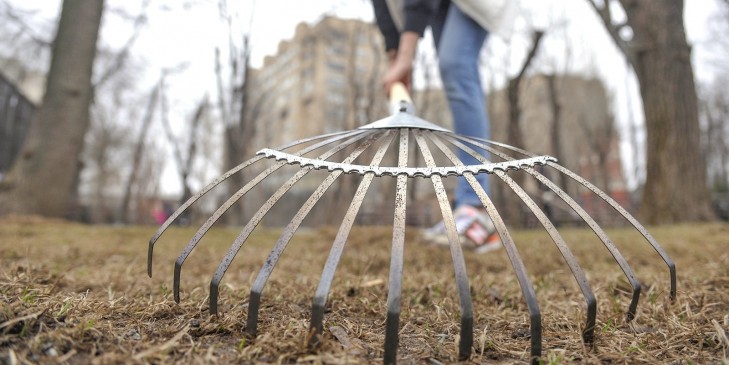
(398, 93)
(400, 100)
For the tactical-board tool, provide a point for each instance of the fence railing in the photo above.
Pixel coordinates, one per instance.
(15, 113)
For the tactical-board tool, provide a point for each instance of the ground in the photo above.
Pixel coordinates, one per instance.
(78, 294)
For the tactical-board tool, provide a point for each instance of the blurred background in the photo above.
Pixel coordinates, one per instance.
(115, 112)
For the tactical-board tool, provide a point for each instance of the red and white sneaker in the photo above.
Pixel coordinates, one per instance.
(475, 229)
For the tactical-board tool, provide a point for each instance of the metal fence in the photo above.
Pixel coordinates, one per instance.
(15, 113)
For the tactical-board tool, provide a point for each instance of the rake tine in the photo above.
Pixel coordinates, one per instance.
(632, 307)
(288, 233)
(222, 178)
(253, 222)
(228, 203)
(630, 218)
(577, 272)
(187, 204)
(535, 317)
(459, 264)
(335, 253)
(394, 292)
(652, 241)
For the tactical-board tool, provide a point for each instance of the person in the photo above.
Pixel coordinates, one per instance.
(460, 29)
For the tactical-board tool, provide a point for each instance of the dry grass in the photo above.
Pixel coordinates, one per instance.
(79, 294)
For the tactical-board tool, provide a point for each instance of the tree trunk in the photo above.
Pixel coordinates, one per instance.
(138, 154)
(675, 187)
(514, 211)
(556, 131)
(42, 181)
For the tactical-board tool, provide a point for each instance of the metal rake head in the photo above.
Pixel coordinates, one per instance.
(404, 127)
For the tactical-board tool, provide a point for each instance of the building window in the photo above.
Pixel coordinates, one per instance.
(336, 50)
(335, 99)
(335, 116)
(307, 87)
(337, 82)
(337, 36)
(337, 67)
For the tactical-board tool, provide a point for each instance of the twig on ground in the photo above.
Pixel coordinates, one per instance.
(164, 347)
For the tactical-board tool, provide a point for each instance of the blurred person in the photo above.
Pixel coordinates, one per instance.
(158, 212)
(460, 28)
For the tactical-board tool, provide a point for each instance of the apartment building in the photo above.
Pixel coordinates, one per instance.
(324, 79)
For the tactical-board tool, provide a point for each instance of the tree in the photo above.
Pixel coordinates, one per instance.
(514, 137)
(184, 160)
(43, 180)
(138, 155)
(715, 107)
(656, 48)
(239, 107)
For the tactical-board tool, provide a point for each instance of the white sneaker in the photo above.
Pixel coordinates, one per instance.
(475, 229)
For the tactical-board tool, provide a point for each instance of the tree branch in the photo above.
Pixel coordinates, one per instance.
(536, 40)
(614, 30)
(119, 61)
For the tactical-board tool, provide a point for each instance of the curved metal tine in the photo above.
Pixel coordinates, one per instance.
(335, 253)
(579, 275)
(394, 292)
(258, 216)
(222, 178)
(288, 233)
(232, 200)
(459, 265)
(651, 240)
(535, 317)
(635, 285)
(183, 207)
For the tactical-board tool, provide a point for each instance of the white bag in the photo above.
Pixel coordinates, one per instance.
(497, 16)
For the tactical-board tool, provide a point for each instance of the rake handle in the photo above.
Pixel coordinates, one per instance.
(400, 100)
(399, 93)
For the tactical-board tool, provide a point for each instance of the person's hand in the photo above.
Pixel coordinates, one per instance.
(399, 71)
(400, 62)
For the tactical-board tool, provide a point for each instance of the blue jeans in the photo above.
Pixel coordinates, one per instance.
(458, 40)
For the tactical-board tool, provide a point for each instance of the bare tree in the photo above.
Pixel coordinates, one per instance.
(238, 112)
(514, 134)
(599, 142)
(555, 134)
(135, 170)
(184, 160)
(715, 109)
(23, 40)
(653, 40)
(43, 179)
(105, 140)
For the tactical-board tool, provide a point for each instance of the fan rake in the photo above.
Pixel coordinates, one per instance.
(400, 129)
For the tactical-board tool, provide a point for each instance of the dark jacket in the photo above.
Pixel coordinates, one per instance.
(417, 14)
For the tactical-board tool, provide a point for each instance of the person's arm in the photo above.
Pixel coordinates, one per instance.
(401, 68)
(401, 50)
(417, 14)
(387, 25)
